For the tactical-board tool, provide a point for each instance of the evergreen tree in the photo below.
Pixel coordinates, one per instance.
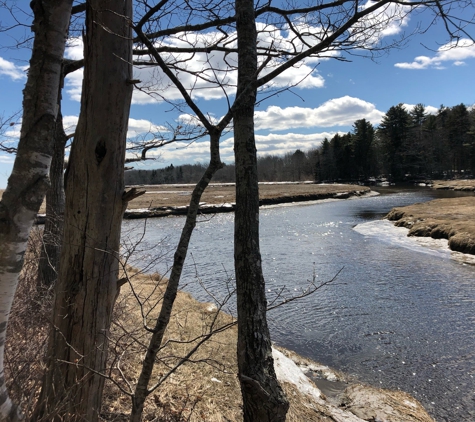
(393, 132)
(457, 125)
(363, 138)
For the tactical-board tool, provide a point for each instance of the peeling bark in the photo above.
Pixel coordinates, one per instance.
(28, 182)
(87, 281)
(263, 398)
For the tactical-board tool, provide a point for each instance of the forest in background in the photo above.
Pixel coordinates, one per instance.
(408, 145)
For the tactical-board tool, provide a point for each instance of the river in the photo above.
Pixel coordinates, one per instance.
(400, 314)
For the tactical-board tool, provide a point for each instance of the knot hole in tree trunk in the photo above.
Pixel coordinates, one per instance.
(100, 150)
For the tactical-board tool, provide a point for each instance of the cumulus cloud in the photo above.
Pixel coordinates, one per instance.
(11, 70)
(450, 53)
(137, 127)
(280, 144)
(270, 144)
(388, 20)
(428, 109)
(210, 76)
(336, 112)
(73, 85)
(70, 123)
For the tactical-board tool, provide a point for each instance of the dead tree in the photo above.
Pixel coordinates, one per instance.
(95, 201)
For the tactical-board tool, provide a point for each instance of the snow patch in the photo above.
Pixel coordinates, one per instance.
(287, 371)
(387, 232)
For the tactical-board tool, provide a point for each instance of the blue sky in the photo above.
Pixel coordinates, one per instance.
(329, 100)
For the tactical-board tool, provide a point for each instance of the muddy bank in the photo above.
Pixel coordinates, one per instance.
(450, 219)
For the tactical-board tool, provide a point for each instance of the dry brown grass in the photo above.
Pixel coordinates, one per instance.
(27, 332)
(205, 388)
(448, 218)
(460, 184)
(179, 195)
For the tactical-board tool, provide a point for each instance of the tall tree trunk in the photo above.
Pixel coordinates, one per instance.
(53, 230)
(141, 390)
(29, 179)
(263, 398)
(87, 282)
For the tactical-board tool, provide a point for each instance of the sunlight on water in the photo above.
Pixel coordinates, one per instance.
(400, 314)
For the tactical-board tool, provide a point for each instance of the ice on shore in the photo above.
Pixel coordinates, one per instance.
(387, 232)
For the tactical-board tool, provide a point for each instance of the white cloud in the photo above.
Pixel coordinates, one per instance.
(138, 127)
(336, 112)
(209, 76)
(272, 143)
(70, 123)
(7, 158)
(453, 52)
(428, 109)
(11, 70)
(280, 144)
(386, 21)
(74, 49)
(73, 85)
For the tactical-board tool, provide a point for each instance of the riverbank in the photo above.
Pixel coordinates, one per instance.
(165, 200)
(450, 219)
(461, 184)
(207, 388)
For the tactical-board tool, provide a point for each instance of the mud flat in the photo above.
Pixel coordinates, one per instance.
(448, 218)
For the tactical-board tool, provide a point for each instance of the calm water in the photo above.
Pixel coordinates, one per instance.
(399, 315)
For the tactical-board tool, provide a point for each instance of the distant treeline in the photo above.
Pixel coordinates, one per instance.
(407, 145)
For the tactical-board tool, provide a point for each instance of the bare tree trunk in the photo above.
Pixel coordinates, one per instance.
(141, 390)
(29, 179)
(87, 280)
(53, 230)
(263, 398)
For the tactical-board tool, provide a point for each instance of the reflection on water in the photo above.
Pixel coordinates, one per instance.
(397, 316)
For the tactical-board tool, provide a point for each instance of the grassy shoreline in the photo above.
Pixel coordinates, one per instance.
(164, 200)
(450, 219)
(208, 388)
